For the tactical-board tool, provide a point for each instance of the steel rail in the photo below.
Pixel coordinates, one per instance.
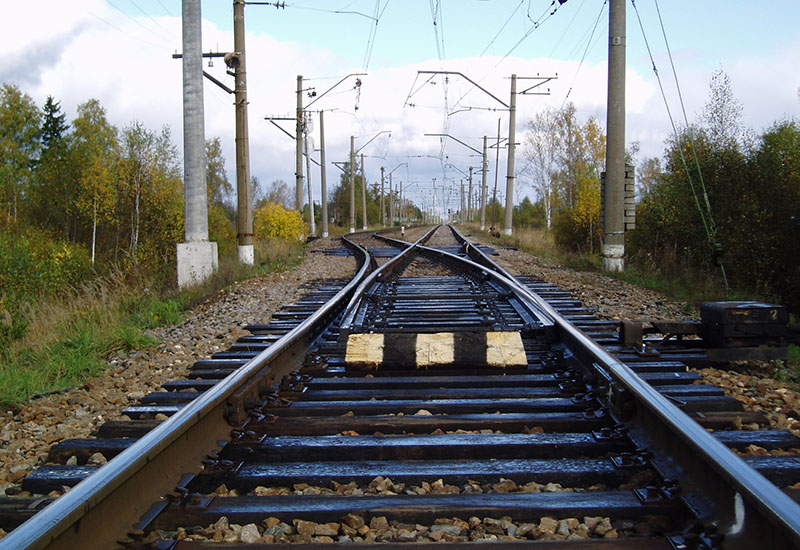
(101, 508)
(751, 492)
(395, 264)
(535, 304)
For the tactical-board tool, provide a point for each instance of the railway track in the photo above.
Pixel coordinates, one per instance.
(436, 399)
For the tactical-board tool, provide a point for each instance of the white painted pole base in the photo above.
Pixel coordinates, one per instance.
(483, 228)
(507, 231)
(196, 262)
(247, 254)
(363, 228)
(324, 234)
(352, 230)
(613, 257)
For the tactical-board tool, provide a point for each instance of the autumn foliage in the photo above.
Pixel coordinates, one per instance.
(273, 220)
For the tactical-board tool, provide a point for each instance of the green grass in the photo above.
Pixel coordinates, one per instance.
(62, 343)
(789, 371)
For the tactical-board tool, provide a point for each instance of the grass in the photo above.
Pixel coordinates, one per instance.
(64, 341)
(678, 283)
(789, 370)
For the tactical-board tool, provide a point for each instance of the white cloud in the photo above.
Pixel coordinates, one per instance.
(86, 49)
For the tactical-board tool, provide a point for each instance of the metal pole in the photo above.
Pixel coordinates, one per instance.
(400, 203)
(496, 172)
(484, 186)
(323, 176)
(298, 165)
(613, 222)
(469, 197)
(383, 206)
(310, 189)
(352, 186)
(463, 203)
(363, 193)
(512, 131)
(391, 202)
(244, 207)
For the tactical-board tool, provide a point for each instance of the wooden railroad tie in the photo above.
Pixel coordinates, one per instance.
(424, 350)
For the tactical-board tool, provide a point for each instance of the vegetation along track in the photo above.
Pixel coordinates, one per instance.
(436, 399)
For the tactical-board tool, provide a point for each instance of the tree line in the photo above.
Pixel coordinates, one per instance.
(723, 200)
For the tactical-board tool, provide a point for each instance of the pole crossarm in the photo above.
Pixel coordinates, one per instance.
(542, 80)
(372, 139)
(272, 120)
(456, 139)
(320, 96)
(396, 167)
(468, 79)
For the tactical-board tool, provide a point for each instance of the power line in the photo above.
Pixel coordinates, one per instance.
(585, 51)
(510, 17)
(708, 224)
(158, 47)
(151, 31)
(152, 19)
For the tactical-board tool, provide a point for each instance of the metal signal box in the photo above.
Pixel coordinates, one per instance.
(743, 324)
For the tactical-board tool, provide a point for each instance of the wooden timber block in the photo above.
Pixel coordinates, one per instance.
(424, 350)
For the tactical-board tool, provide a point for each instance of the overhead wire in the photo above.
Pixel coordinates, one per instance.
(151, 18)
(116, 28)
(585, 52)
(708, 224)
(510, 17)
(148, 29)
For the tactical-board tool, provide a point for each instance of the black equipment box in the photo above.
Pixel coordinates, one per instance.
(743, 324)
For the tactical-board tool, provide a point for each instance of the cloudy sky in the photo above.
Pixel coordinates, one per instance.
(119, 51)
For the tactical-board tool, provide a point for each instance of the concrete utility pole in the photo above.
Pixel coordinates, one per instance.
(484, 186)
(352, 185)
(469, 197)
(400, 204)
(512, 135)
(323, 178)
(197, 257)
(383, 209)
(298, 165)
(310, 189)
(614, 200)
(391, 202)
(363, 193)
(463, 203)
(244, 210)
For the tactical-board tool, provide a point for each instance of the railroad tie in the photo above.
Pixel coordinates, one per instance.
(425, 350)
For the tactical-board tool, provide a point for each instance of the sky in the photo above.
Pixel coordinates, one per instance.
(120, 52)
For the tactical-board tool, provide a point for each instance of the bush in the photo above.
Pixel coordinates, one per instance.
(273, 220)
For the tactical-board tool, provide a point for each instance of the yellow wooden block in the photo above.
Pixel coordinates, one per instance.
(505, 349)
(435, 349)
(364, 349)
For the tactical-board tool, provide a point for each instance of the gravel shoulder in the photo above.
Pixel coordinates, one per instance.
(214, 325)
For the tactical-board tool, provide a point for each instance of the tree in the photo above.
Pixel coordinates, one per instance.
(54, 126)
(278, 192)
(541, 154)
(53, 195)
(722, 113)
(95, 149)
(220, 189)
(20, 145)
(148, 164)
(649, 174)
